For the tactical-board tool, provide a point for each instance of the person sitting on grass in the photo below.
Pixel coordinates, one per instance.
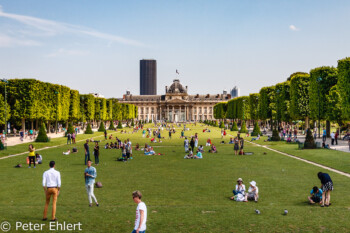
(316, 195)
(190, 154)
(39, 159)
(74, 150)
(137, 146)
(198, 155)
(239, 189)
(208, 142)
(107, 146)
(149, 151)
(257, 138)
(110, 137)
(289, 139)
(201, 149)
(231, 141)
(212, 149)
(66, 153)
(253, 192)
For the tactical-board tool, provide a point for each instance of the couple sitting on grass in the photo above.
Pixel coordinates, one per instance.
(191, 156)
(240, 192)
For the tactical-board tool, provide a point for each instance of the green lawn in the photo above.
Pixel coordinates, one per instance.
(181, 195)
(332, 158)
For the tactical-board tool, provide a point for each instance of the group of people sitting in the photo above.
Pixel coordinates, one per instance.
(112, 145)
(190, 155)
(240, 194)
(148, 150)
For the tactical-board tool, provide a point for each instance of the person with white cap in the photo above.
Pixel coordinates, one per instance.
(253, 192)
(239, 189)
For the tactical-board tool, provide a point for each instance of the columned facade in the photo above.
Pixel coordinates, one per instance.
(176, 105)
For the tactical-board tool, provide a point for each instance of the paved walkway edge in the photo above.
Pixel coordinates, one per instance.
(304, 160)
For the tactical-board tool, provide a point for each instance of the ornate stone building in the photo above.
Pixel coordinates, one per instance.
(176, 105)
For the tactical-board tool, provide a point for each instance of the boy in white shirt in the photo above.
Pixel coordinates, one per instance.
(141, 213)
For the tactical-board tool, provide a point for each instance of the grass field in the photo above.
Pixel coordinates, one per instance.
(181, 195)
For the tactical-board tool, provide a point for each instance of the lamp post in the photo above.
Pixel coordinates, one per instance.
(5, 82)
(277, 91)
(319, 79)
(56, 93)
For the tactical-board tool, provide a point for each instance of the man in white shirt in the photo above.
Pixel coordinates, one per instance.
(332, 137)
(141, 213)
(52, 186)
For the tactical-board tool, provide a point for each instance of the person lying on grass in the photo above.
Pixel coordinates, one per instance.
(66, 153)
(190, 154)
(316, 195)
(257, 138)
(253, 192)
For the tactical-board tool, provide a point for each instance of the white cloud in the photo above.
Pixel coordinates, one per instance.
(8, 41)
(53, 28)
(293, 28)
(67, 52)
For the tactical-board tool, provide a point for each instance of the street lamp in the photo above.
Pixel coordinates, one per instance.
(319, 79)
(56, 93)
(6, 82)
(277, 91)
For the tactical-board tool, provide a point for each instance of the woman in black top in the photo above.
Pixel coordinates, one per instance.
(327, 187)
(97, 153)
(192, 143)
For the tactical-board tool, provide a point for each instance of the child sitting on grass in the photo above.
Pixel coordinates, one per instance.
(316, 195)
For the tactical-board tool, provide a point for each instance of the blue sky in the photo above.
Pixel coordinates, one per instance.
(95, 46)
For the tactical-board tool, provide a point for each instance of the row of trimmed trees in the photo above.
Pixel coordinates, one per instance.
(32, 101)
(323, 94)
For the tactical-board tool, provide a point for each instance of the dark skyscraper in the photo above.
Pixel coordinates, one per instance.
(148, 77)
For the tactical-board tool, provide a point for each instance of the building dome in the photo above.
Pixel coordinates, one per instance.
(176, 87)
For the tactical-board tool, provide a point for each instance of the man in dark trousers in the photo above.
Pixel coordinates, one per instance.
(87, 151)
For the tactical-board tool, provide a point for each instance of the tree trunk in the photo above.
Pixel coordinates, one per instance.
(328, 128)
(48, 126)
(37, 124)
(23, 125)
(32, 124)
(307, 123)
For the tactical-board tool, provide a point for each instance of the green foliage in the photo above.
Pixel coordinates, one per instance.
(243, 128)
(295, 73)
(253, 106)
(88, 129)
(299, 92)
(120, 126)
(74, 108)
(42, 136)
(322, 79)
(132, 123)
(2, 110)
(70, 128)
(222, 125)
(231, 112)
(111, 125)
(220, 110)
(265, 100)
(102, 127)
(333, 109)
(275, 136)
(256, 130)
(282, 100)
(309, 140)
(110, 110)
(344, 86)
(234, 126)
(243, 110)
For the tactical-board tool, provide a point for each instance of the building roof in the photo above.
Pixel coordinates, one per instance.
(176, 87)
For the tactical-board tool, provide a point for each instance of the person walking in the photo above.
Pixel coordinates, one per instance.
(90, 175)
(327, 187)
(97, 153)
(324, 135)
(52, 186)
(141, 213)
(31, 155)
(169, 134)
(87, 151)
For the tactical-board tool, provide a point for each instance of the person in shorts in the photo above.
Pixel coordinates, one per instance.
(327, 187)
(316, 195)
(141, 213)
